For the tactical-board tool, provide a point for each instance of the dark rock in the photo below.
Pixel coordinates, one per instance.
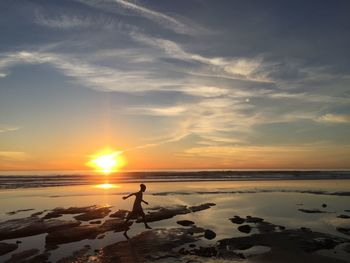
(117, 225)
(149, 245)
(30, 226)
(97, 213)
(38, 213)
(59, 211)
(285, 245)
(51, 215)
(347, 248)
(265, 227)
(344, 216)
(245, 229)
(282, 227)
(18, 242)
(192, 245)
(237, 220)
(165, 213)
(119, 214)
(42, 258)
(312, 211)
(209, 234)
(185, 222)
(97, 222)
(72, 234)
(6, 248)
(18, 211)
(161, 213)
(201, 207)
(305, 229)
(344, 230)
(19, 257)
(324, 205)
(252, 219)
(78, 233)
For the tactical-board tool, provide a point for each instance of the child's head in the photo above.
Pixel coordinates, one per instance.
(142, 187)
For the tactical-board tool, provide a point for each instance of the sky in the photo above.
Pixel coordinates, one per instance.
(186, 84)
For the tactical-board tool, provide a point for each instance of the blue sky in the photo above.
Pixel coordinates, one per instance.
(175, 84)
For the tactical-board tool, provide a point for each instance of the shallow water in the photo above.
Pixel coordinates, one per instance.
(265, 199)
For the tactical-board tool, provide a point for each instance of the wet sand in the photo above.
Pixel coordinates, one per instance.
(255, 221)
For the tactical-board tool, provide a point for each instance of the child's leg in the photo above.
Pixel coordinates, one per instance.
(144, 220)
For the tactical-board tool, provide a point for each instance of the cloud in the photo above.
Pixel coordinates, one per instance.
(7, 128)
(334, 118)
(157, 111)
(13, 156)
(163, 20)
(64, 21)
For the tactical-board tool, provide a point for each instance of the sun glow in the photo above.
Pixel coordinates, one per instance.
(106, 186)
(107, 161)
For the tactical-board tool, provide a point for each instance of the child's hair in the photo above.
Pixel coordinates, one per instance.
(143, 187)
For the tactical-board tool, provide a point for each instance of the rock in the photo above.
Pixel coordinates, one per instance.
(206, 252)
(97, 222)
(117, 225)
(18, 211)
(286, 245)
(38, 213)
(344, 216)
(192, 245)
(30, 226)
(324, 205)
(18, 242)
(79, 256)
(42, 258)
(19, 257)
(201, 207)
(119, 214)
(209, 234)
(78, 233)
(72, 234)
(51, 215)
(153, 245)
(6, 248)
(97, 213)
(347, 248)
(185, 222)
(59, 211)
(344, 230)
(165, 213)
(161, 213)
(312, 211)
(265, 227)
(245, 229)
(237, 220)
(252, 219)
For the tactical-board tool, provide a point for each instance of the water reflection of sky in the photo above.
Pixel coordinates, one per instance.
(275, 207)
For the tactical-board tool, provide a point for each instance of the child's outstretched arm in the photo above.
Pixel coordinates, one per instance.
(125, 197)
(145, 202)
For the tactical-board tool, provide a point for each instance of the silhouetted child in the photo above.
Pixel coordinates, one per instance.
(137, 208)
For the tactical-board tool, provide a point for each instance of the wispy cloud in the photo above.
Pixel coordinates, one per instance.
(163, 20)
(13, 156)
(334, 118)
(7, 128)
(64, 21)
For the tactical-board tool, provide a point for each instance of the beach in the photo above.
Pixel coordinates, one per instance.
(192, 221)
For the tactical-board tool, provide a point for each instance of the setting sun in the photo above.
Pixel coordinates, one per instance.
(107, 161)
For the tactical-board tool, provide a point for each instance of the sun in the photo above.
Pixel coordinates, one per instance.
(107, 161)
